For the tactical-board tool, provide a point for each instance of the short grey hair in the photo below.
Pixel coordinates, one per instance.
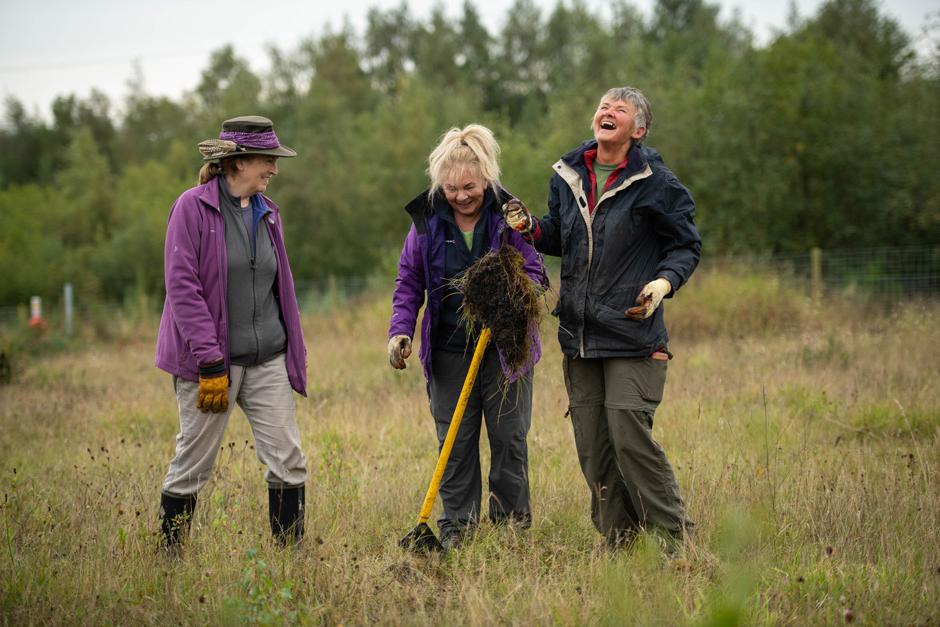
(644, 111)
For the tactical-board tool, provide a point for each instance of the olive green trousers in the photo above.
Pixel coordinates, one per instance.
(612, 401)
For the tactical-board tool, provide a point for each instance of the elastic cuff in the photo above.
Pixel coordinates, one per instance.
(216, 369)
(673, 279)
(535, 231)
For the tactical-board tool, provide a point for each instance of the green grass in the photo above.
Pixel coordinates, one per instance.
(805, 436)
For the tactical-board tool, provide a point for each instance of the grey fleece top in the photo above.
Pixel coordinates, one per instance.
(256, 331)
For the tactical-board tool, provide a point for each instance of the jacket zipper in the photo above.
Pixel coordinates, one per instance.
(254, 295)
(223, 282)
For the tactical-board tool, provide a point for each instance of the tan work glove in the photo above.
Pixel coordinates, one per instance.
(650, 296)
(517, 216)
(213, 388)
(399, 349)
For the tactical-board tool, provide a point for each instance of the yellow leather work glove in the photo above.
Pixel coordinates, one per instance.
(399, 349)
(213, 388)
(517, 216)
(650, 296)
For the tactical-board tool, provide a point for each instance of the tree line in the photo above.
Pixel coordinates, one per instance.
(828, 135)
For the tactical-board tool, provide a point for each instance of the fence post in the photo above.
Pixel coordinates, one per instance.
(35, 311)
(67, 304)
(816, 276)
(36, 322)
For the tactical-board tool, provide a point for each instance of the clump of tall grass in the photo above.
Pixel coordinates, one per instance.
(734, 304)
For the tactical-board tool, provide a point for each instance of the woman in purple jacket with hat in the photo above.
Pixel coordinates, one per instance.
(231, 327)
(455, 222)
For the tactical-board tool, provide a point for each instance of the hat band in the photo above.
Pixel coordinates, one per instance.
(266, 140)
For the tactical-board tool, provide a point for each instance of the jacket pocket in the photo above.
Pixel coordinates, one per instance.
(631, 334)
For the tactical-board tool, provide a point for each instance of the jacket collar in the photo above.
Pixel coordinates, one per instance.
(209, 194)
(583, 156)
(420, 208)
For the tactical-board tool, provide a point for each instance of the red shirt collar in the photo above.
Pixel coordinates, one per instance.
(589, 157)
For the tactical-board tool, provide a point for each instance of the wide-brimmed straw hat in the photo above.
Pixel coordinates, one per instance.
(245, 135)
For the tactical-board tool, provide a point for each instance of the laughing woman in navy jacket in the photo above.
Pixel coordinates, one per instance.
(624, 228)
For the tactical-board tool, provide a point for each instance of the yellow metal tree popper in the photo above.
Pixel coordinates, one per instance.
(421, 538)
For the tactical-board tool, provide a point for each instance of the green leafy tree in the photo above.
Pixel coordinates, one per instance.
(71, 115)
(475, 56)
(520, 69)
(227, 87)
(31, 250)
(390, 40)
(85, 209)
(150, 125)
(437, 50)
(131, 260)
(26, 147)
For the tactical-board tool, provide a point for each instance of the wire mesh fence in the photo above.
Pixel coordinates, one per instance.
(313, 296)
(875, 272)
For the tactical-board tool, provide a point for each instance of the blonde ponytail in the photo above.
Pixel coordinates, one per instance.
(471, 149)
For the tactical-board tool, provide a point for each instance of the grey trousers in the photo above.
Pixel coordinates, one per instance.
(632, 484)
(508, 418)
(265, 395)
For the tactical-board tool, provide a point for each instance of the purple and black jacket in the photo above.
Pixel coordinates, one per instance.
(194, 328)
(421, 272)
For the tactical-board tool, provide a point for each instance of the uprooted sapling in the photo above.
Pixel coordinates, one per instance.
(497, 293)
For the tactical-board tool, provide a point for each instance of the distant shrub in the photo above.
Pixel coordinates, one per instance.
(736, 304)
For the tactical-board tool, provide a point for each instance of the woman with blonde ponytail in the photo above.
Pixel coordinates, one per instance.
(471, 148)
(454, 222)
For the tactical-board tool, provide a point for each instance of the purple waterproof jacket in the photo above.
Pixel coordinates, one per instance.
(194, 326)
(421, 271)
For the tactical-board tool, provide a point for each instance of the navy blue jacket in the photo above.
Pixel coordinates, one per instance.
(642, 228)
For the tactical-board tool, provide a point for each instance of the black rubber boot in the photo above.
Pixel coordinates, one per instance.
(286, 512)
(176, 513)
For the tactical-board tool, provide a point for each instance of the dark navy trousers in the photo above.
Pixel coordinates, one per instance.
(507, 412)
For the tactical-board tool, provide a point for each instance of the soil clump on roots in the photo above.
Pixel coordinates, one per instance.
(497, 293)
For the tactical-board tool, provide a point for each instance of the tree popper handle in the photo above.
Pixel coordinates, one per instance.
(431, 496)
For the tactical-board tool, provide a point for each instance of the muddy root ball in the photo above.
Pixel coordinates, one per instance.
(497, 293)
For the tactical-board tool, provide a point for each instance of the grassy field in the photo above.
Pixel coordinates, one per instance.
(806, 439)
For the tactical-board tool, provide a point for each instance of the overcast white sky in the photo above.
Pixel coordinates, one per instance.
(56, 47)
